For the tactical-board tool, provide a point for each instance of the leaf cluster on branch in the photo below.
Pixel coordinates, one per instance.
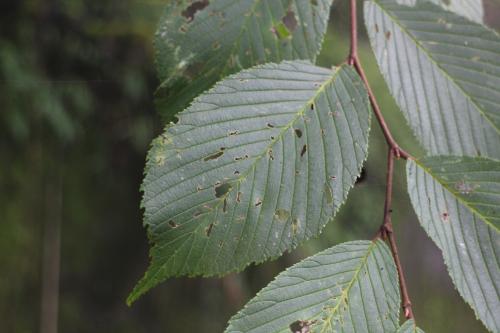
(267, 146)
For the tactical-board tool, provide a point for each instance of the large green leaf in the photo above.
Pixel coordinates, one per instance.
(444, 73)
(409, 327)
(199, 42)
(457, 200)
(255, 166)
(351, 287)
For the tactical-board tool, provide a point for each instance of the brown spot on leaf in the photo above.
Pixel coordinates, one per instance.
(295, 225)
(445, 216)
(222, 189)
(208, 229)
(289, 20)
(376, 28)
(172, 224)
(301, 326)
(286, 26)
(303, 151)
(191, 10)
(270, 125)
(387, 35)
(282, 214)
(192, 71)
(258, 202)
(298, 132)
(238, 196)
(214, 156)
(241, 158)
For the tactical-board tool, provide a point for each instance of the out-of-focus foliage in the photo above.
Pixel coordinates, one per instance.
(76, 90)
(75, 99)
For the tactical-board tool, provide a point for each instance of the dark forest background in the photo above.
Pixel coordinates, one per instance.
(76, 117)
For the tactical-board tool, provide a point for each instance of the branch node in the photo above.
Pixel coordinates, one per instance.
(385, 231)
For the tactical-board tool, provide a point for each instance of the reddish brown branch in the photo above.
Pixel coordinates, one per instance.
(399, 152)
(386, 231)
(353, 60)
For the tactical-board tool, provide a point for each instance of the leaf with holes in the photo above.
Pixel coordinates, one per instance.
(443, 71)
(351, 287)
(409, 327)
(457, 200)
(200, 42)
(255, 166)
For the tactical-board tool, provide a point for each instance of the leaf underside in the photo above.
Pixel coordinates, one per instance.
(409, 327)
(351, 287)
(200, 42)
(470, 9)
(255, 166)
(444, 73)
(457, 200)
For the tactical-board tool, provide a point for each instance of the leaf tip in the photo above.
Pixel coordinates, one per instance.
(140, 288)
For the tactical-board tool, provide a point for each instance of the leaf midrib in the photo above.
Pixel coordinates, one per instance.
(346, 291)
(254, 163)
(278, 137)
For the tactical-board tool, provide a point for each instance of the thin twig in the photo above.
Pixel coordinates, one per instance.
(353, 60)
(385, 231)
(353, 53)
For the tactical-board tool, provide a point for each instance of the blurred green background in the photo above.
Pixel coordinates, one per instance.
(76, 118)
